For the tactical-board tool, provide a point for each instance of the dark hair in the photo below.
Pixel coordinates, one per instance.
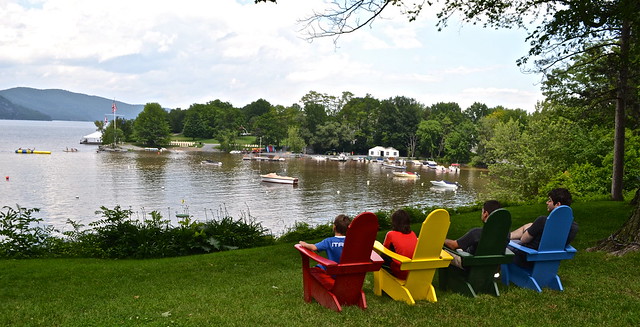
(341, 223)
(560, 195)
(491, 205)
(401, 222)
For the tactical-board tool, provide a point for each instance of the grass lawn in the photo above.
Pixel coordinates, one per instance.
(263, 287)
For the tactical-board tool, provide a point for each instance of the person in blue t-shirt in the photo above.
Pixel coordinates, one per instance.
(332, 245)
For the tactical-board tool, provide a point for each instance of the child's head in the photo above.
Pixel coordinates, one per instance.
(488, 207)
(401, 222)
(340, 224)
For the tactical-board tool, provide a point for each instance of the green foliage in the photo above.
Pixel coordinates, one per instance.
(294, 141)
(302, 231)
(21, 236)
(117, 235)
(227, 139)
(152, 125)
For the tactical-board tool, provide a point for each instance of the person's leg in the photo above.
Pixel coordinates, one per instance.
(517, 234)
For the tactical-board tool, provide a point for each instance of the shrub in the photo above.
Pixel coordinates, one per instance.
(302, 231)
(22, 236)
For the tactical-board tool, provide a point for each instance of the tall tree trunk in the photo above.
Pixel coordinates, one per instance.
(627, 238)
(621, 102)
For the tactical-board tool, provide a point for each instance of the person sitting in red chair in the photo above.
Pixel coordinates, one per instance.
(332, 245)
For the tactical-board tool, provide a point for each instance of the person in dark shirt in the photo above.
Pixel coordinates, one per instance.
(469, 241)
(530, 234)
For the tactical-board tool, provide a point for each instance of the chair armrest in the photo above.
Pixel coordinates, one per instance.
(534, 255)
(468, 259)
(518, 246)
(314, 256)
(458, 252)
(379, 248)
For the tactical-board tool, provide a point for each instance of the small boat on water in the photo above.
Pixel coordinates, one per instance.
(341, 157)
(406, 174)
(275, 178)
(446, 184)
(30, 151)
(430, 164)
(393, 166)
(211, 163)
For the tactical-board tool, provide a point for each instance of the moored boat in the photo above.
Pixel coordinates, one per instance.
(406, 174)
(341, 157)
(210, 162)
(446, 184)
(275, 178)
(393, 166)
(430, 164)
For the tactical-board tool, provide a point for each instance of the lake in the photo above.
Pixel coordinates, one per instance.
(73, 185)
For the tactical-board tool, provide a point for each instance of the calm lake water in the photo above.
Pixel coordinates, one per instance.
(73, 185)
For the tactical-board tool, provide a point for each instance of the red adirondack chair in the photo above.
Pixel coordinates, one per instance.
(341, 283)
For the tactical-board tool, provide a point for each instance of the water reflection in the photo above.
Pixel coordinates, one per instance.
(74, 185)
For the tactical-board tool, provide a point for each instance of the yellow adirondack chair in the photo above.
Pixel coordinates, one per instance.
(427, 257)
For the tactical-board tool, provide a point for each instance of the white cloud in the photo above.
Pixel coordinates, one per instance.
(198, 50)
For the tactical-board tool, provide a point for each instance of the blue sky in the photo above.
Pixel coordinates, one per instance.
(194, 51)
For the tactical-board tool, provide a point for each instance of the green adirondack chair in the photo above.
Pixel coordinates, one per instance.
(477, 274)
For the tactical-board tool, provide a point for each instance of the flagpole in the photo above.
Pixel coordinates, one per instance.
(115, 134)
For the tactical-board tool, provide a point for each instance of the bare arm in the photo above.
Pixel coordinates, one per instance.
(311, 247)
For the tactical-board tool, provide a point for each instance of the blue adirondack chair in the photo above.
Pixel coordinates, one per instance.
(545, 260)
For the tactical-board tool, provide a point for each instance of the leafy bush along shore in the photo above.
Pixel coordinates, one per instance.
(118, 235)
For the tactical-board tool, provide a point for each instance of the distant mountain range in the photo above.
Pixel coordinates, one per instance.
(33, 104)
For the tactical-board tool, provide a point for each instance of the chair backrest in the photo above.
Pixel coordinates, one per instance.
(432, 234)
(359, 240)
(495, 233)
(556, 229)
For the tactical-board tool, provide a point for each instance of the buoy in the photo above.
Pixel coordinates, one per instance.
(367, 182)
(7, 178)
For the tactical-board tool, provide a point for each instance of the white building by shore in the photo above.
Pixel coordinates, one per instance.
(380, 151)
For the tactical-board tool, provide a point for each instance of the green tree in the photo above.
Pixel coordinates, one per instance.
(430, 135)
(398, 120)
(99, 125)
(293, 140)
(270, 127)
(476, 111)
(151, 127)
(194, 125)
(254, 110)
(176, 120)
(112, 136)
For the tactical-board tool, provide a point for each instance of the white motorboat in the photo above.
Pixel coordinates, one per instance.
(341, 157)
(275, 178)
(430, 164)
(406, 174)
(211, 163)
(446, 184)
(393, 166)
